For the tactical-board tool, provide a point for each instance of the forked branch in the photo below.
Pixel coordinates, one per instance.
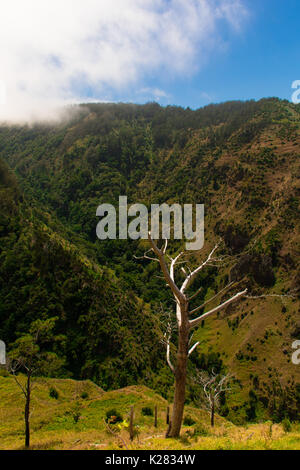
(194, 273)
(161, 258)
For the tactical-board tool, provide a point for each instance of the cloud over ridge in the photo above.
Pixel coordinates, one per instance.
(53, 51)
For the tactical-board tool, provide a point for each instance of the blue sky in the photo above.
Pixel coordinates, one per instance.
(260, 60)
(181, 52)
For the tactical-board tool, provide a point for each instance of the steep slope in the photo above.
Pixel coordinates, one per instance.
(44, 275)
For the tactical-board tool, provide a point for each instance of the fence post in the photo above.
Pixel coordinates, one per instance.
(155, 418)
(131, 427)
(168, 415)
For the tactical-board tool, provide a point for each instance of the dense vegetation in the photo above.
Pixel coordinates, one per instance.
(240, 158)
(44, 276)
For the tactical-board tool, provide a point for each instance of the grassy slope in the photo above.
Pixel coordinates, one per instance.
(272, 362)
(53, 425)
(277, 318)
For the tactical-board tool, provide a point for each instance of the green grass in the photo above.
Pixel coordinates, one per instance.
(53, 425)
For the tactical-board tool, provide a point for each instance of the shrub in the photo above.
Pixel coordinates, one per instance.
(76, 412)
(188, 421)
(286, 424)
(113, 416)
(53, 393)
(200, 430)
(3, 372)
(146, 411)
(84, 395)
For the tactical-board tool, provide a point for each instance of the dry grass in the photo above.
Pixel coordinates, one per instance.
(53, 426)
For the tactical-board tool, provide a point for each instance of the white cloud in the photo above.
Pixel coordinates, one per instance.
(152, 93)
(206, 97)
(52, 50)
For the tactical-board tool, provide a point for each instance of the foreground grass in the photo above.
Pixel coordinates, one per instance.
(54, 426)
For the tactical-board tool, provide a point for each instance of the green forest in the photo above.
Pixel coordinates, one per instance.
(106, 305)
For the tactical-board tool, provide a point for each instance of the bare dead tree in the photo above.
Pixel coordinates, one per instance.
(213, 386)
(185, 319)
(170, 326)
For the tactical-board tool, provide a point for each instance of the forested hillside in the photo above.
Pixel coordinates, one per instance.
(43, 275)
(241, 159)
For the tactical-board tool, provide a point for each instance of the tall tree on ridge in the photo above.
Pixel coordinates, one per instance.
(186, 320)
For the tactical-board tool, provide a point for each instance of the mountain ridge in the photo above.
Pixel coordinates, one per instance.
(241, 159)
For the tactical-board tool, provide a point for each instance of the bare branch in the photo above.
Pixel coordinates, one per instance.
(194, 273)
(195, 295)
(13, 370)
(168, 356)
(282, 296)
(213, 385)
(161, 257)
(167, 337)
(193, 348)
(211, 299)
(196, 321)
(173, 264)
(184, 271)
(191, 337)
(223, 385)
(145, 256)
